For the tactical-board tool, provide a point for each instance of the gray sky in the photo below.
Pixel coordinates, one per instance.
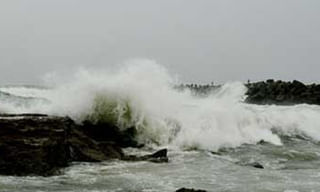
(200, 40)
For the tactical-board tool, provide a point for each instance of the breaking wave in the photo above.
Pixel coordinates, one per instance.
(141, 93)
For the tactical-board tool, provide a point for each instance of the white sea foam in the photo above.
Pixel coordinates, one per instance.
(141, 93)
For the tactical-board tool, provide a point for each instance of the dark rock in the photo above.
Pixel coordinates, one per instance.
(159, 154)
(41, 145)
(83, 148)
(37, 144)
(282, 93)
(251, 164)
(262, 142)
(216, 153)
(103, 131)
(157, 157)
(190, 190)
(269, 92)
(111, 150)
(33, 145)
(270, 81)
(256, 165)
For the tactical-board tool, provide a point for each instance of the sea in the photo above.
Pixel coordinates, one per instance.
(215, 141)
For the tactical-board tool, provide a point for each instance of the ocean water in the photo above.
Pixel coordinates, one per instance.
(213, 140)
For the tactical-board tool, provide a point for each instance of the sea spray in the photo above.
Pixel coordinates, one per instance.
(141, 93)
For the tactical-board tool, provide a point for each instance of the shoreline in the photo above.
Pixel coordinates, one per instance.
(39, 144)
(269, 92)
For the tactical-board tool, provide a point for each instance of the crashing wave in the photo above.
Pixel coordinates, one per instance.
(141, 94)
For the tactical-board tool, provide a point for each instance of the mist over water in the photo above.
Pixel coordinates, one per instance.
(216, 141)
(141, 93)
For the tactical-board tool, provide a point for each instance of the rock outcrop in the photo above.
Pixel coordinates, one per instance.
(157, 157)
(36, 144)
(282, 93)
(103, 131)
(189, 190)
(268, 92)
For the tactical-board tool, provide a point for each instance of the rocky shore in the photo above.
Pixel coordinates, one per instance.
(282, 93)
(268, 92)
(36, 144)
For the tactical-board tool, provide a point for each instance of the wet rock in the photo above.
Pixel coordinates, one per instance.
(157, 157)
(159, 154)
(251, 164)
(103, 131)
(262, 142)
(282, 93)
(216, 153)
(189, 190)
(111, 150)
(83, 148)
(35, 144)
(256, 165)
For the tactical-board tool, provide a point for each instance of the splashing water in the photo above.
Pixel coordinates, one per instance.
(141, 94)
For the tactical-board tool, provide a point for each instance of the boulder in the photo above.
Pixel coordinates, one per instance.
(282, 93)
(189, 190)
(256, 165)
(103, 131)
(35, 144)
(157, 157)
(83, 148)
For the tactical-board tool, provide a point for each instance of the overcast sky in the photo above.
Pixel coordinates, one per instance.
(200, 40)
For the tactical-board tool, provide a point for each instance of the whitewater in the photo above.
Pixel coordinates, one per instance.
(212, 139)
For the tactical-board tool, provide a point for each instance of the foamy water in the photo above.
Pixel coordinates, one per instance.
(141, 93)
